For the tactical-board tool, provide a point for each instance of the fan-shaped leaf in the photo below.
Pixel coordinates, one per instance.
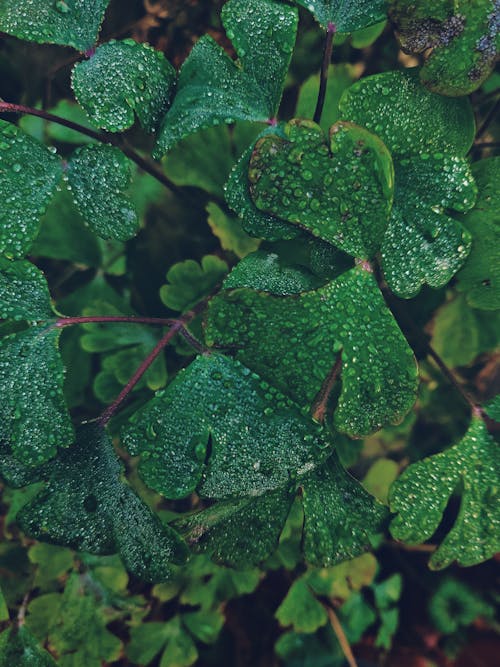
(24, 294)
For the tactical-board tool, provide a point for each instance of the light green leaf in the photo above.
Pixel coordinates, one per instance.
(213, 89)
(189, 282)
(455, 606)
(24, 294)
(71, 22)
(460, 41)
(301, 609)
(229, 231)
(250, 424)
(99, 176)
(29, 175)
(87, 506)
(421, 494)
(123, 77)
(4, 612)
(346, 15)
(379, 375)
(18, 647)
(147, 640)
(204, 625)
(379, 478)
(480, 276)
(33, 415)
(180, 650)
(343, 580)
(323, 187)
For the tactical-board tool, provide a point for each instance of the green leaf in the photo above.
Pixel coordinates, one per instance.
(301, 609)
(343, 580)
(340, 516)
(250, 424)
(99, 176)
(123, 77)
(229, 231)
(324, 187)
(421, 494)
(52, 564)
(71, 23)
(180, 650)
(147, 640)
(276, 336)
(407, 117)
(204, 625)
(4, 612)
(29, 175)
(492, 408)
(480, 276)
(379, 478)
(459, 40)
(24, 294)
(18, 647)
(213, 89)
(455, 606)
(33, 416)
(87, 506)
(423, 244)
(189, 282)
(346, 15)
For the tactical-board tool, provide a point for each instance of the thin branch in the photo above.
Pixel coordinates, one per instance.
(339, 632)
(327, 57)
(488, 119)
(448, 373)
(487, 144)
(97, 319)
(21, 614)
(320, 403)
(419, 548)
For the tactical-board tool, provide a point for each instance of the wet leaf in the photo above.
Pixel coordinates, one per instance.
(122, 78)
(99, 176)
(346, 15)
(189, 282)
(20, 648)
(480, 276)
(220, 429)
(213, 89)
(72, 22)
(33, 417)
(421, 494)
(277, 337)
(87, 506)
(459, 40)
(340, 191)
(29, 175)
(24, 294)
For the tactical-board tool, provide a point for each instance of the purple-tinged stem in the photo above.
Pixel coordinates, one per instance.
(327, 58)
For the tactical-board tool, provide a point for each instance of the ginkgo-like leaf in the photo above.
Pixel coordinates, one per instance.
(20, 648)
(123, 78)
(480, 276)
(346, 15)
(460, 40)
(301, 609)
(293, 343)
(24, 294)
(212, 88)
(189, 282)
(33, 415)
(99, 176)
(29, 174)
(222, 430)
(68, 22)
(421, 494)
(87, 506)
(340, 191)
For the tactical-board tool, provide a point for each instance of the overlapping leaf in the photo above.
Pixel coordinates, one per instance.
(459, 39)
(480, 276)
(24, 294)
(29, 174)
(212, 88)
(189, 282)
(87, 506)
(20, 648)
(293, 343)
(421, 494)
(33, 417)
(339, 191)
(122, 78)
(99, 176)
(427, 136)
(68, 22)
(346, 15)
(220, 429)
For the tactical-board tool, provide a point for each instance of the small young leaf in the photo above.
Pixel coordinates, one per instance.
(229, 231)
(189, 282)
(29, 175)
(421, 494)
(33, 415)
(301, 609)
(325, 187)
(346, 15)
(460, 41)
(480, 276)
(20, 648)
(87, 506)
(68, 22)
(123, 77)
(213, 89)
(250, 424)
(99, 175)
(24, 294)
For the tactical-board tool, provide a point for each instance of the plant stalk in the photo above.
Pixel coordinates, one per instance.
(327, 58)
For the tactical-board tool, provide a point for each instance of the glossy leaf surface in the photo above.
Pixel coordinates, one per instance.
(346, 15)
(20, 648)
(24, 294)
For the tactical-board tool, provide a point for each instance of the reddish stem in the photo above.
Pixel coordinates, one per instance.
(320, 403)
(70, 321)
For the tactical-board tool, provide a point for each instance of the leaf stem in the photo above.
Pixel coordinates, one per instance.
(104, 137)
(340, 634)
(327, 57)
(488, 119)
(448, 373)
(320, 403)
(97, 319)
